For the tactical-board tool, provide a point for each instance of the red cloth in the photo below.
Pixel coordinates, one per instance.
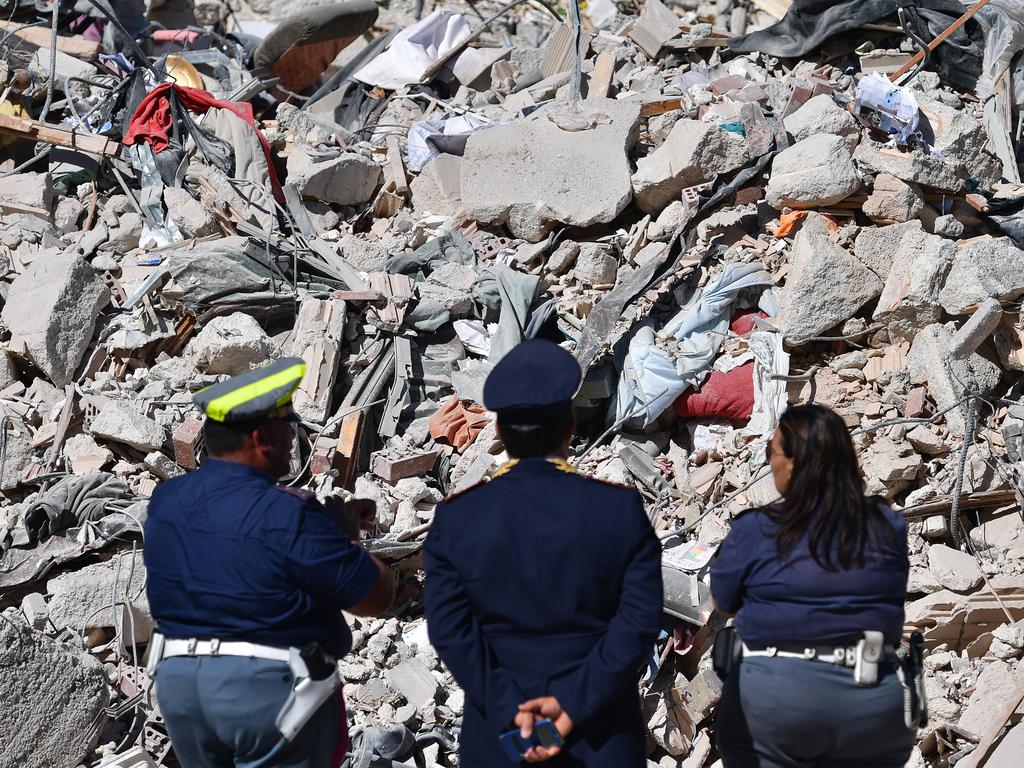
(341, 745)
(152, 121)
(722, 396)
(742, 322)
(457, 423)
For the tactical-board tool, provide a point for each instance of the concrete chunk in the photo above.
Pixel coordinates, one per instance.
(32, 189)
(997, 683)
(825, 286)
(954, 569)
(53, 306)
(978, 328)
(982, 269)
(52, 695)
(893, 201)
(910, 297)
(695, 152)
(438, 188)
(232, 344)
(532, 174)
(917, 166)
(961, 140)
(595, 265)
(121, 423)
(814, 172)
(927, 364)
(822, 115)
(189, 215)
(414, 681)
(81, 599)
(877, 246)
(348, 179)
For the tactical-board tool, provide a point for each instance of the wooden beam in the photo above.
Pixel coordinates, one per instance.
(73, 45)
(58, 135)
(937, 41)
(397, 167)
(980, 754)
(775, 8)
(349, 441)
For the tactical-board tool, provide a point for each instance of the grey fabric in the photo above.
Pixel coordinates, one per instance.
(75, 500)
(220, 713)
(793, 713)
(452, 247)
(512, 291)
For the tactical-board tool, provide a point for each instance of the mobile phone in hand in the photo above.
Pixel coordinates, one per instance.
(544, 735)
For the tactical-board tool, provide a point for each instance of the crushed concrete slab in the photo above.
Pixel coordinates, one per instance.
(438, 188)
(53, 306)
(960, 139)
(992, 267)
(822, 115)
(85, 454)
(563, 258)
(347, 179)
(890, 467)
(877, 246)
(910, 296)
(18, 455)
(996, 684)
(190, 216)
(1004, 532)
(953, 569)
(694, 153)
(893, 201)
(34, 190)
(52, 694)
(532, 175)
(815, 172)
(413, 679)
(927, 364)
(927, 441)
(119, 422)
(915, 167)
(82, 599)
(825, 286)
(595, 265)
(232, 344)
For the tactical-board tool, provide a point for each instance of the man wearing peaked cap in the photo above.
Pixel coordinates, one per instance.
(543, 586)
(246, 582)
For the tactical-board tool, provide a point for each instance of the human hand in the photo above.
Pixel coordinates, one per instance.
(543, 708)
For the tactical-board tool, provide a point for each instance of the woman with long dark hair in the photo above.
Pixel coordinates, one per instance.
(817, 583)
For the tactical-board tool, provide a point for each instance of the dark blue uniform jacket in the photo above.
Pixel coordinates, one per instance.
(546, 582)
(230, 555)
(794, 601)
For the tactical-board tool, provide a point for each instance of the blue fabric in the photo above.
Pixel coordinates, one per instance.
(794, 600)
(230, 555)
(535, 374)
(792, 713)
(220, 713)
(543, 581)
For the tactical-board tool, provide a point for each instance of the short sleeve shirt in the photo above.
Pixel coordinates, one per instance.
(794, 600)
(230, 555)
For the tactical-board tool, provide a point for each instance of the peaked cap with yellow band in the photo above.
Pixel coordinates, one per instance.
(265, 393)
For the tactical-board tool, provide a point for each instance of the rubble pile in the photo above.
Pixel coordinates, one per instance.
(718, 209)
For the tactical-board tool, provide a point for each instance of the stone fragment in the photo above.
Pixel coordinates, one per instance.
(190, 216)
(961, 140)
(927, 441)
(85, 454)
(348, 179)
(52, 697)
(414, 681)
(232, 344)
(977, 329)
(458, 277)
(825, 286)
(916, 167)
(119, 422)
(82, 599)
(910, 296)
(877, 246)
(18, 455)
(458, 304)
(948, 226)
(52, 306)
(36, 612)
(438, 188)
(595, 265)
(34, 190)
(822, 115)
(125, 236)
(532, 174)
(694, 153)
(893, 201)
(563, 258)
(1004, 532)
(955, 570)
(927, 364)
(996, 684)
(161, 466)
(1008, 641)
(890, 467)
(982, 269)
(814, 172)
(856, 359)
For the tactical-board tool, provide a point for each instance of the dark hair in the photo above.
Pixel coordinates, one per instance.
(528, 441)
(222, 438)
(825, 498)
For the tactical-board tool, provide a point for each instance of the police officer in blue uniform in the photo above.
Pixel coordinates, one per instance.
(543, 586)
(246, 581)
(817, 583)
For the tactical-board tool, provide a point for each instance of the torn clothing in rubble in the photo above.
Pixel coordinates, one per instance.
(652, 378)
(152, 121)
(458, 424)
(511, 293)
(75, 500)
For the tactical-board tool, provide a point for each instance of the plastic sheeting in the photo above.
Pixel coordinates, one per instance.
(415, 50)
(652, 379)
(430, 138)
(1003, 22)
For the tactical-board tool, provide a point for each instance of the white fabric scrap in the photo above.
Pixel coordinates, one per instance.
(415, 49)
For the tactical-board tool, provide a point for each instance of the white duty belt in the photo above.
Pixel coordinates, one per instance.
(193, 647)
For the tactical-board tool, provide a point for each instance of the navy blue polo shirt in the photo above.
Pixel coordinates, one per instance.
(232, 556)
(796, 601)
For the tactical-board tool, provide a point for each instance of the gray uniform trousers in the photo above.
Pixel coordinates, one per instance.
(796, 713)
(220, 713)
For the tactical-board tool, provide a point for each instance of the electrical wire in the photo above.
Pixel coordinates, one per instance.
(333, 420)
